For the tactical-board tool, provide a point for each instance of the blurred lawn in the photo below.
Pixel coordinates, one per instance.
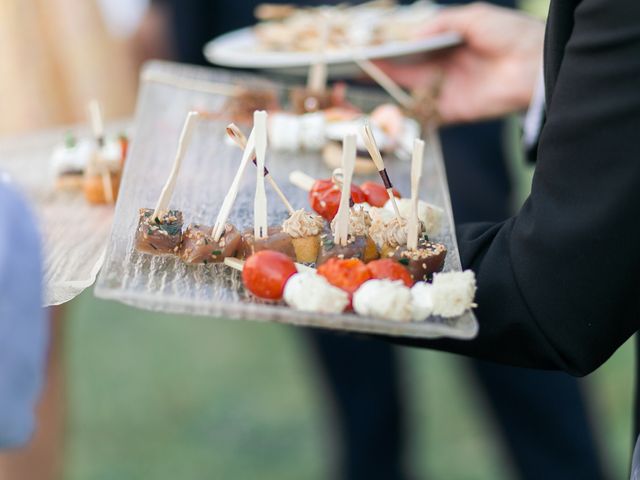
(164, 397)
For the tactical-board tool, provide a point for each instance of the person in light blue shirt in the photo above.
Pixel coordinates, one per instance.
(23, 326)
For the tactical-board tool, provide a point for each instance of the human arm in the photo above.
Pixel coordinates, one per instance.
(23, 328)
(559, 283)
(491, 74)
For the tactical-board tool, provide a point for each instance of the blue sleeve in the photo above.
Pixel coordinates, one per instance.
(23, 327)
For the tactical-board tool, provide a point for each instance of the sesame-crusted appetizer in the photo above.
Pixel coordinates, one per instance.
(422, 262)
(405, 241)
(159, 230)
(358, 243)
(199, 246)
(159, 235)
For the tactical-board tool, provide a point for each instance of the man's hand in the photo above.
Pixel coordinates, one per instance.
(492, 74)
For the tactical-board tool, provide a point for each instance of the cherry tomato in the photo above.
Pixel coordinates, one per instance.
(389, 269)
(376, 194)
(324, 198)
(347, 274)
(265, 274)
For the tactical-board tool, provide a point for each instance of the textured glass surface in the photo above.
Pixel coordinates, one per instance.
(166, 284)
(74, 233)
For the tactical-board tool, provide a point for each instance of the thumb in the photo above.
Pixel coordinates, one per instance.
(449, 19)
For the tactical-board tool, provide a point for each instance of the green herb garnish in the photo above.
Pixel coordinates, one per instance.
(69, 140)
(404, 261)
(216, 252)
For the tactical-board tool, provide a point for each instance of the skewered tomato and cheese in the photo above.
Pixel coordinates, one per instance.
(324, 197)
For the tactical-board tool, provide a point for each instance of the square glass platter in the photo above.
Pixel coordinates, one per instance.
(167, 92)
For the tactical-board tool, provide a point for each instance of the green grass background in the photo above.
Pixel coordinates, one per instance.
(165, 397)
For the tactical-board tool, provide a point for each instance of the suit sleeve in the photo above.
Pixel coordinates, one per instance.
(559, 283)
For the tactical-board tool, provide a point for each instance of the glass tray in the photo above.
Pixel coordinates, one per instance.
(168, 91)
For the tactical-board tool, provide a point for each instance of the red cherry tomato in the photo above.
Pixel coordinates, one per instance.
(324, 198)
(347, 274)
(376, 194)
(389, 269)
(266, 272)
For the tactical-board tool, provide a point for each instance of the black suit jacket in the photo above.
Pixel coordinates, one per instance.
(559, 283)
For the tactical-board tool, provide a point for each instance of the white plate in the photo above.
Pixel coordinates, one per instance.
(240, 49)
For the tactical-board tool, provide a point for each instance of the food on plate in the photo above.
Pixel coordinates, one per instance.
(160, 229)
(276, 240)
(345, 273)
(384, 299)
(101, 185)
(429, 215)
(159, 235)
(69, 161)
(304, 228)
(241, 107)
(265, 274)
(324, 196)
(290, 133)
(358, 243)
(388, 269)
(305, 100)
(310, 292)
(332, 155)
(449, 295)
(422, 262)
(387, 232)
(376, 194)
(199, 246)
(341, 27)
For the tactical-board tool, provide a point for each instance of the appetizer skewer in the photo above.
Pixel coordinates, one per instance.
(160, 230)
(421, 257)
(101, 179)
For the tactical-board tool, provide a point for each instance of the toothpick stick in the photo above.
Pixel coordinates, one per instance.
(238, 264)
(382, 79)
(234, 263)
(344, 211)
(416, 175)
(260, 223)
(97, 125)
(317, 80)
(107, 185)
(240, 140)
(374, 151)
(169, 186)
(302, 180)
(232, 193)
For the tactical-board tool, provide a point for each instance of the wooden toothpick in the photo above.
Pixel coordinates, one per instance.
(317, 79)
(382, 79)
(169, 186)
(341, 232)
(260, 222)
(238, 264)
(240, 140)
(376, 156)
(413, 230)
(232, 193)
(302, 180)
(97, 126)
